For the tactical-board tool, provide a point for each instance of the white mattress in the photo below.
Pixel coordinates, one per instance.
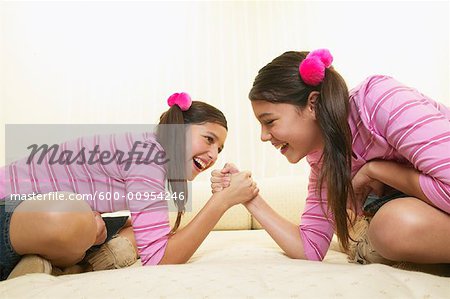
(238, 264)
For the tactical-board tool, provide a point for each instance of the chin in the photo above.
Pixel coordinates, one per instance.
(294, 160)
(191, 177)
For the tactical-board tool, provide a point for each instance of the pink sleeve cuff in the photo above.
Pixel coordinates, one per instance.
(438, 197)
(311, 253)
(156, 257)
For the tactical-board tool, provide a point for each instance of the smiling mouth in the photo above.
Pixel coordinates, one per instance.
(282, 147)
(199, 163)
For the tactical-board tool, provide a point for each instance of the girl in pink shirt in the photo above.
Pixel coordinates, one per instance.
(189, 137)
(380, 139)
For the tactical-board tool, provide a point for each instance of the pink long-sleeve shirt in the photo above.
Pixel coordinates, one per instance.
(393, 122)
(113, 186)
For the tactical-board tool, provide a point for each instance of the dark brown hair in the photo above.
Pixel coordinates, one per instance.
(173, 140)
(280, 82)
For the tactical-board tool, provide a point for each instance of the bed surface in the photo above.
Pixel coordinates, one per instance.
(238, 264)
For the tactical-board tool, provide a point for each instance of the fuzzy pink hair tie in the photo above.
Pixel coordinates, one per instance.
(182, 100)
(312, 68)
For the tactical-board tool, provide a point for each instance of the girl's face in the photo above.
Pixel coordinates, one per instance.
(207, 141)
(294, 132)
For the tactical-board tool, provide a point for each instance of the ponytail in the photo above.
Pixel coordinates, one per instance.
(331, 113)
(172, 137)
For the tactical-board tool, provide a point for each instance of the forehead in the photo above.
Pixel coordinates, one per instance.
(219, 131)
(264, 108)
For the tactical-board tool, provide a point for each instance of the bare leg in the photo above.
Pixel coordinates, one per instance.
(60, 231)
(408, 229)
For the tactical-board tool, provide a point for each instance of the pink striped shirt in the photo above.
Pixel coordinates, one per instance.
(389, 121)
(112, 186)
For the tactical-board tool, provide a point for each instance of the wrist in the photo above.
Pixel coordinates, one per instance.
(372, 170)
(254, 203)
(369, 169)
(218, 200)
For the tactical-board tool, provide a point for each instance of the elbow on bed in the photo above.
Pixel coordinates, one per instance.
(173, 260)
(302, 256)
(296, 255)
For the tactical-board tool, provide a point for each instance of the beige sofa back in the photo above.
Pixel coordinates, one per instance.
(286, 195)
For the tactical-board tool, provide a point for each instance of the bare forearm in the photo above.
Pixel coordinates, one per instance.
(398, 176)
(182, 245)
(283, 232)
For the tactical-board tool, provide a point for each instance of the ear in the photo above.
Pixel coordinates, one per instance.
(312, 100)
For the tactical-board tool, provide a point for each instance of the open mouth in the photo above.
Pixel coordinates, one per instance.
(283, 147)
(199, 164)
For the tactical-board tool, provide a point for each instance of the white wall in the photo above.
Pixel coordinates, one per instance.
(117, 62)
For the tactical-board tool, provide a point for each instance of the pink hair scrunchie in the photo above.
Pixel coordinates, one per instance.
(182, 100)
(312, 68)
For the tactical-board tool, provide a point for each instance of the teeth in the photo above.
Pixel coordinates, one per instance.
(281, 145)
(199, 161)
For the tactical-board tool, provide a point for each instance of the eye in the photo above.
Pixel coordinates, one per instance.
(268, 122)
(209, 139)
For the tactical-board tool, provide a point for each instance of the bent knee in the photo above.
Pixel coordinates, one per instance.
(72, 231)
(395, 226)
(52, 228)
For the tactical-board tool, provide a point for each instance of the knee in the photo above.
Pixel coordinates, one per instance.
(393, 230)
(72, 232)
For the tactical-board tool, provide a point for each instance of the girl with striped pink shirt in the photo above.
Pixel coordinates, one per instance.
(382, 149)
(45, 234)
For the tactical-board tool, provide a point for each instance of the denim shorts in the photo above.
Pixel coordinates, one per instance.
(9, 257)
(373, 203)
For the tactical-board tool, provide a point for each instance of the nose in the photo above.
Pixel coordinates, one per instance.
(265, 135)
(213, 152)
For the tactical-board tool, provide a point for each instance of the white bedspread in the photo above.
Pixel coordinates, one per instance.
(236, 264)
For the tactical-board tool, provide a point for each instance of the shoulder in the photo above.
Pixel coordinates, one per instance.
(141, 153)
(374, 85)
(136, 140)
(376, 91)
(151, 139)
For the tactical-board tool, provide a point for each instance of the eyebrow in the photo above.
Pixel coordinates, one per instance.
(217, 138)
(264, 115)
